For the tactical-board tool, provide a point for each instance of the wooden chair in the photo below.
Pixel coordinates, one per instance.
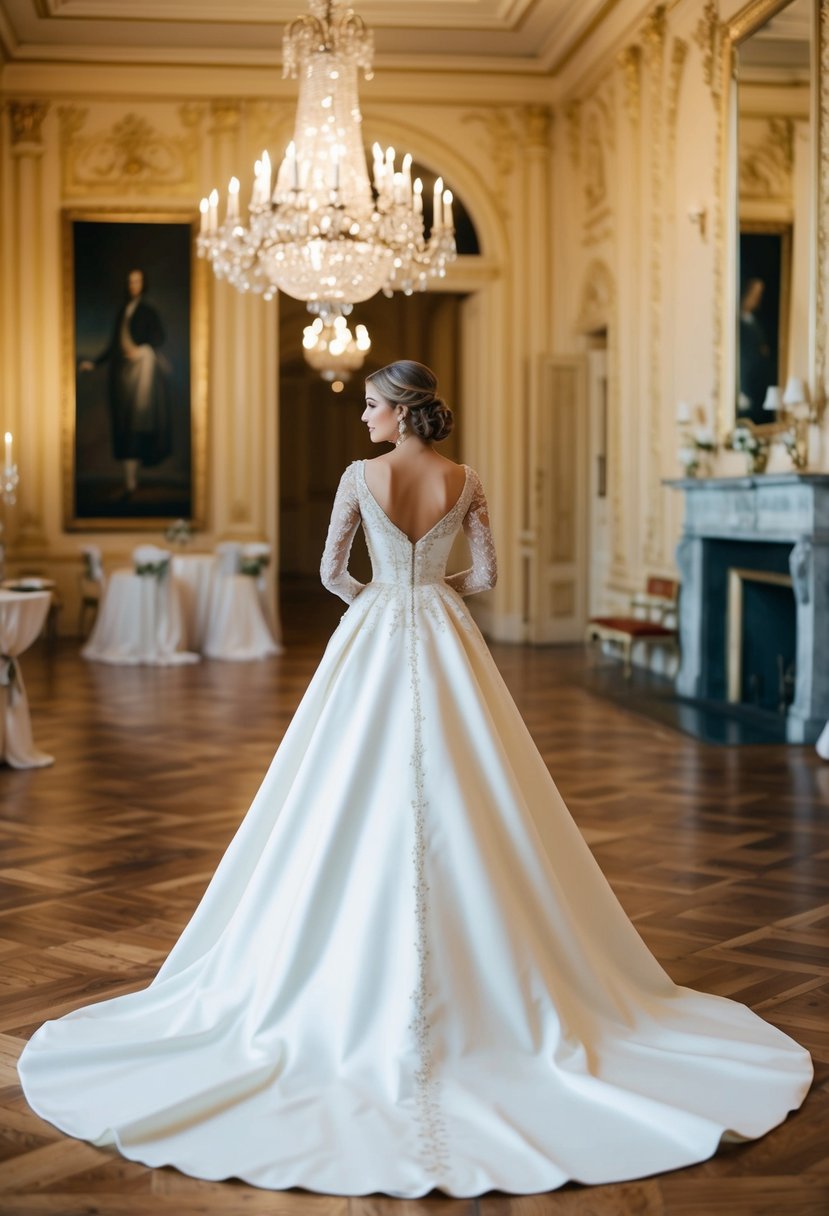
(650, 610)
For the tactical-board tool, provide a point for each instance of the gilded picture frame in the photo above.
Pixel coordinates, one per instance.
(135, 370)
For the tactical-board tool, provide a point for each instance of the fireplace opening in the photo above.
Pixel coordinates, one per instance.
(761, 633)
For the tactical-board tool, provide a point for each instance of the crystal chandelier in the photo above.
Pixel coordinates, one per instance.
(332, 350)
(321, 233)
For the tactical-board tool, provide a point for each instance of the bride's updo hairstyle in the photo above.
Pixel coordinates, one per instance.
(415, 386)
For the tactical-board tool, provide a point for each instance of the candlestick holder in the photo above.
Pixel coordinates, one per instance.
(9, 480)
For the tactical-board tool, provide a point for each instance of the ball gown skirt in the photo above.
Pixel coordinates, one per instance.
(408, 972)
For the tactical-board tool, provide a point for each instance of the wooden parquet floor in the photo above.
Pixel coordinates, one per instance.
(721, 857)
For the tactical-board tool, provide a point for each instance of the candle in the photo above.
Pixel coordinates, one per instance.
(447, 209)
(399, 187)
(437, 206)
(204, 206)
(265, 178)
(335, 168)
(407, 176)
(213, 202)
(293, 167)
(8, 449)
(233, 199)
(417, 200)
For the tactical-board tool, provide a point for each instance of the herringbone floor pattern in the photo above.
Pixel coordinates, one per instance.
(721, 856)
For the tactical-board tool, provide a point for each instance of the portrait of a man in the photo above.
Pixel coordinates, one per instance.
(131, 303)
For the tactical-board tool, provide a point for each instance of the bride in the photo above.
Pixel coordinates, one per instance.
(408, 972)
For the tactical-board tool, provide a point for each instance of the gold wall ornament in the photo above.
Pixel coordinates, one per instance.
(225, 116)
(766, 164)
(537, 127)
(26, 120)
(598, 299)
(679, 53)
(71, 120)
(191, 114)
(595, 175)
(629, 60)
(654, 33)
(499, 126)
(132, 157)
(708, 37)
(572, 126)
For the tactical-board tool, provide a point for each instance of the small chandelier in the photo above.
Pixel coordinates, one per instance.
(321, 233)
(332, 350)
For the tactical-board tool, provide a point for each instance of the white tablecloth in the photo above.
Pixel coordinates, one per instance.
(140, 620)
(224, 612)
(22, 616)
(238, 629)
(195, 574)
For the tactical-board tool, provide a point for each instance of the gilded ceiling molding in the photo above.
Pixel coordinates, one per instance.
(572, 125)
(629, 60)
(26, 120)
(708, 37)
(766, 166)
(132, 157)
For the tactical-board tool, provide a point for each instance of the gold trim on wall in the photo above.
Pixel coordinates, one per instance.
(198, 371)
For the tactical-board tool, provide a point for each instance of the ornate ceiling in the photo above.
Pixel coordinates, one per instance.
(535, 36)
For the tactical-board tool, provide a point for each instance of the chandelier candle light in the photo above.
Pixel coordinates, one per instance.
(320, 233)
(332, 350)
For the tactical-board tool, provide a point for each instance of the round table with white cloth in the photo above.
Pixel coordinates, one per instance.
(195, 574)
(22, 616)
(140, 620)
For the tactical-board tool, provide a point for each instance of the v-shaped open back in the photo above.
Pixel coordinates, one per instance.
(437, 522)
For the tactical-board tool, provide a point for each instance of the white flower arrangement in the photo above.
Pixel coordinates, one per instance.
(180, 531)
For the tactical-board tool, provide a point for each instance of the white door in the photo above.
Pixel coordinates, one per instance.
(559, 523)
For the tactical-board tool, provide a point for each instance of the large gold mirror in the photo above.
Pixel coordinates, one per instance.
(774, 168)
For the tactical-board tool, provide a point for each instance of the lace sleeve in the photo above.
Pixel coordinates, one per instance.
(483, 573)
(345, 519)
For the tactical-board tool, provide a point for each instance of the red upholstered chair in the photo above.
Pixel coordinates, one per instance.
(652, 620)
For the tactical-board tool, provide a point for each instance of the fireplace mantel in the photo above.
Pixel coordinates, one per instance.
(785, 509)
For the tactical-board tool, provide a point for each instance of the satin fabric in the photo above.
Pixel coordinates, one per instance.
(408, 972)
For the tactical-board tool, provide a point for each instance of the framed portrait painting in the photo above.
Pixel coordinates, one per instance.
(763, 321)
(136, 370)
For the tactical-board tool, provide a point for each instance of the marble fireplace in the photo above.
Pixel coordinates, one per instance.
(754, 605)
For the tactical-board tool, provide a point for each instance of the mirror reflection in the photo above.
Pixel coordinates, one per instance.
(774, 147)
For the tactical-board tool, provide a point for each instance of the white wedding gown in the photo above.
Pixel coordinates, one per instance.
(408, 972)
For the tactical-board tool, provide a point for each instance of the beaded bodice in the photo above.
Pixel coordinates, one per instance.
(395, 559)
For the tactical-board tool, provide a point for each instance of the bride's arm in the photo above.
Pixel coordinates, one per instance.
(483, 573)
(345, 519)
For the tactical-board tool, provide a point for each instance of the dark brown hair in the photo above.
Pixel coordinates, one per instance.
(415, 386)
